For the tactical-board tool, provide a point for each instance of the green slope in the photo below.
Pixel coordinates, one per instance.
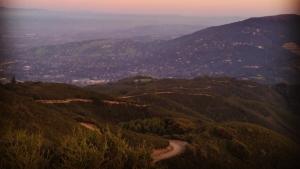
(219, 99)
(221, 118)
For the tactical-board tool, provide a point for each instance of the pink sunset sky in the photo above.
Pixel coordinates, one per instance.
(181, 7)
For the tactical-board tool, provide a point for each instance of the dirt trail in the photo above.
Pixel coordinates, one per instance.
(163, 93)
(110, 102)
(175, 148)
(89, 126)
(65, 101)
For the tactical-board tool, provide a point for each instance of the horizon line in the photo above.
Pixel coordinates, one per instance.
(94, 12)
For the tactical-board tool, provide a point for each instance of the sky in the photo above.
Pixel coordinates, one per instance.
(177, 7)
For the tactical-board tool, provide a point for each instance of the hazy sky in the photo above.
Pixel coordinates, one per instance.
(181, 7)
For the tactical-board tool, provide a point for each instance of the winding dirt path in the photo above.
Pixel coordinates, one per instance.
(65, 101)
(109, 102)
(165, 93)
(71, 100)
(176, 147)
(145, 94)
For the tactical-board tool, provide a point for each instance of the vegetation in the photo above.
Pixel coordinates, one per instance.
(219, 99)
(244, 146)
(227, 123)
(160, 126)
(81, 149)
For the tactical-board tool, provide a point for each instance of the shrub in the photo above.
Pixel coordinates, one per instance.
(238, 149)
(222, 133)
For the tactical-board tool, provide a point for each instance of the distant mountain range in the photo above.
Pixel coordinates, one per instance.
(262, 49)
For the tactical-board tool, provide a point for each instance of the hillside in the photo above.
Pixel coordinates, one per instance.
(36, 134)
(263, 49)
(220, 99)
(224, 122)
(256, 48)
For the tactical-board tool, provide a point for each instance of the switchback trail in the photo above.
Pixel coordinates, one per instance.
(176, 147)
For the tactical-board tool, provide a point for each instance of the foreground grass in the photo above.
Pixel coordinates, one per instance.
(82, 149)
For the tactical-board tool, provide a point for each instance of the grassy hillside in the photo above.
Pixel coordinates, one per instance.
(236, 145)
(222, 120)
(37, 135)
(217, 99)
